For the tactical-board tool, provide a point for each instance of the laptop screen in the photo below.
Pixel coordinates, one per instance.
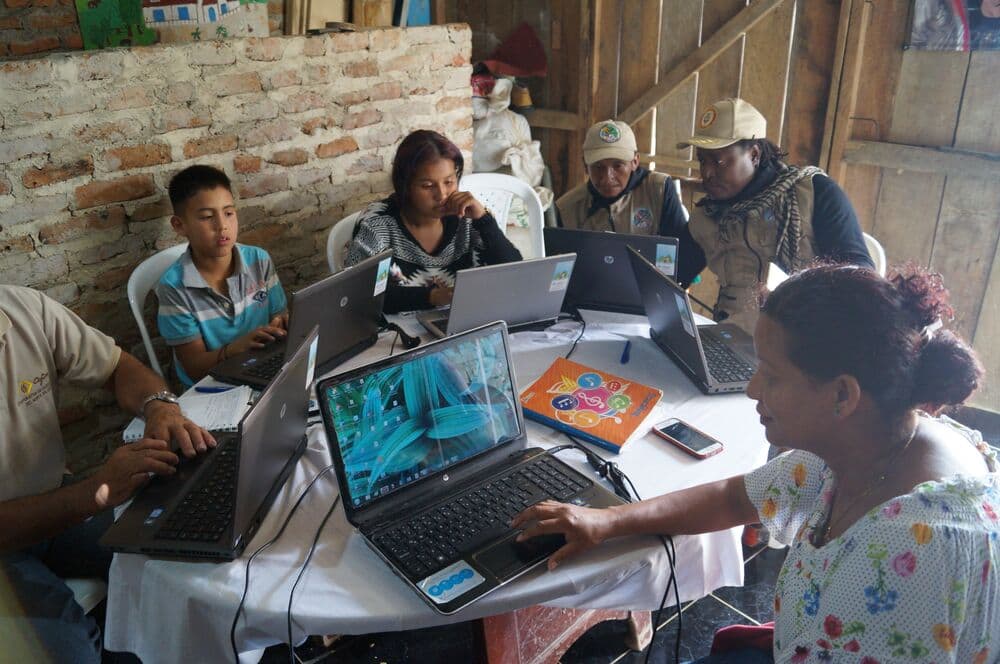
(398, 423)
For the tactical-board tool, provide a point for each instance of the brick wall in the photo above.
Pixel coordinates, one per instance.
(36, 26)
(305, 127)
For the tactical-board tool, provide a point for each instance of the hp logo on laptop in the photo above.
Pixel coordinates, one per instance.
(343, 301)
(445, 478)
(609, 259)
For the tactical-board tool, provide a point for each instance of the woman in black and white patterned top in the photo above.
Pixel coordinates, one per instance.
(432, 228)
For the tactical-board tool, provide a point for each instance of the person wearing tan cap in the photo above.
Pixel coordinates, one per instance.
(758, 209)
(620, 195)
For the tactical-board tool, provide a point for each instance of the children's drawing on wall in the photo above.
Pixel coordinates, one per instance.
(109, 23)
(956, 25)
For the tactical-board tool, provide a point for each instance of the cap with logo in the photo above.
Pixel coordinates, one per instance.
(609, 139)
(726, 122)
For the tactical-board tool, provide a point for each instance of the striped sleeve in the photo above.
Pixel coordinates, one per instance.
(369, 239)
(175, 318)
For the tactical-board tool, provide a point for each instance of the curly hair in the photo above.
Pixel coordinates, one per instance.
(849, 320)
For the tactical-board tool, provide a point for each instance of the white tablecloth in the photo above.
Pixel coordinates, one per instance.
(169, 611)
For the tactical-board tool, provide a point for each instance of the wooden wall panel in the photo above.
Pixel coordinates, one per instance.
(721, 78)
(986, 340)
(605, 85)
(764, 80)
(639, 56)
(680, 30)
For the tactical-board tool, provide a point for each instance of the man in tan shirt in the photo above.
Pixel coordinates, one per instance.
(50, 528)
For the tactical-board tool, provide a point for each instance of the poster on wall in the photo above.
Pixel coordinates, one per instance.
(956, 25)
(109, 23)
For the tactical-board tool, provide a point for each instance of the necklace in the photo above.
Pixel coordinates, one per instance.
(887, 470)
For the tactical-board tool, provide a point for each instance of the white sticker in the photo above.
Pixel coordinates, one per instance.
(312, 362)
(560, 276)
(685, 313)
(450, 582)
(666, 259)
(382, 276)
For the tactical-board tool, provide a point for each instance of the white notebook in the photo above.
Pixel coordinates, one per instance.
(218, 411)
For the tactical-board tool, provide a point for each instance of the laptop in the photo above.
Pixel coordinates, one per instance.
(430, 453)
(719, 357)
(212, 506)
(523, 294)
(347, 307)
(602, 279)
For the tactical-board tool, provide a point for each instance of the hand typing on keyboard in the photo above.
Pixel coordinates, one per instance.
(583, 527)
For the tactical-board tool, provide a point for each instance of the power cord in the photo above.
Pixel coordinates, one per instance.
(583, 328)
(291, 594)
(246, 574)
(625, 489)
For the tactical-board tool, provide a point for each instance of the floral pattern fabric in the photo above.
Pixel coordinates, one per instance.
(914, 580)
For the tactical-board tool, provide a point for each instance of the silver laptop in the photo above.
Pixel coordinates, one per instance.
(523, 294)
(719, 358)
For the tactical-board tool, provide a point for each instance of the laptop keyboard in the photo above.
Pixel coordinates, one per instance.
(437, 538)
(266, 368)
(205, 512)
(725, 365)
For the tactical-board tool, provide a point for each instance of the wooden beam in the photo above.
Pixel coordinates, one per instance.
(945, 161)
(550, 119)
(713, 47)
(664, 162)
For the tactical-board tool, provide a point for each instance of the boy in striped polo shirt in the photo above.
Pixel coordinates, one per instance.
(220, 298)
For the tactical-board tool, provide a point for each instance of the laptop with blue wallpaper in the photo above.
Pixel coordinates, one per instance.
(430, 452)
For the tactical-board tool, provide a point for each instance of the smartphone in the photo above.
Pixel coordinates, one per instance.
(681, 434)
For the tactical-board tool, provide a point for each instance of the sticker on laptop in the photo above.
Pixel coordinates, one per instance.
(382, 276)
(685, 314)
(560, 276)
(450, 582)
(666, 258)
(312, 362)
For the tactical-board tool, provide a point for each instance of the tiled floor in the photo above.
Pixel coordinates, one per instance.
(603, 644)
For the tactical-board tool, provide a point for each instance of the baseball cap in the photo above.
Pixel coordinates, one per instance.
(609, 139)
(726, 122)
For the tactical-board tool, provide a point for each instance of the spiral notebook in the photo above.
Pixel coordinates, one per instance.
(218, 411)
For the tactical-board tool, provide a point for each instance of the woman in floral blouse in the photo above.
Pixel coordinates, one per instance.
(890, 514)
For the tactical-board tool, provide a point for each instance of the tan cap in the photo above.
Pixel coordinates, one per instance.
(726, 122)
(609, 139)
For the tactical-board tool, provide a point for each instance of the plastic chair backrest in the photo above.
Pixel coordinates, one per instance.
(338, 240)
(142, 280)
(487, 186)
(877, 253)
(87, 592)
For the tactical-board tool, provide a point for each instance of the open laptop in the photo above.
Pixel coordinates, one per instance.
(523, 294)
(347, 307)
(602, 279)
(212, 506)
(717, 357)
(429, 450)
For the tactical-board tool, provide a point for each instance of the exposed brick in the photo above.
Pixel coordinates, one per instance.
(292, 157)
(446, 104)
(269, 132)
(314, 46)
(264, 184)
(37, 45)
(343, 42)
(433, 34)
(155, 210)
(106, 131)
(16, 148)
(384, 40)
(267, 49)
(304, 178)
(363, 119)
(198, 147)
(49, 21)
(234, 84)
(386, 91)
(282, 79)
(379, 137)
(73, 41)
(114, 278)
(132, 97)
(337, 147)
(177, 92)
(10, 22)
(64, 293)
(361, 68)
(33, 209)
(263, 235)
(245, 163)
(316, 73)
(448, 59)
(36, 272)
(180, 117)
(370, 163)
(406, 63)
(39, 177)
(101, 65)
(15, 4)
(137, 156)
(351, 98)
(76, 227)
(312, 124)
(18, 243)
(112, 191)
(4, 186)
(210, 53)
(26, 73)
(303, 101)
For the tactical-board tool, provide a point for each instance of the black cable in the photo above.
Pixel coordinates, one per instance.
(699, 302)
(291, 594)
(246, 575)
(583, 328)
(392, 347)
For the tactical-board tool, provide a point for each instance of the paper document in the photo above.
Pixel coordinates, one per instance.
(219, 411)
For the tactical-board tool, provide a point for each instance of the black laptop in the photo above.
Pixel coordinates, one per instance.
(347, 307)
(429, 450)
(602, 278)
(719, 357)
(212, 506)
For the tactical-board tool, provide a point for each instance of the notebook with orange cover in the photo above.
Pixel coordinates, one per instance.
(593, 405)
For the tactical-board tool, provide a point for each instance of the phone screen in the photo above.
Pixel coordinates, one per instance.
(688, 437)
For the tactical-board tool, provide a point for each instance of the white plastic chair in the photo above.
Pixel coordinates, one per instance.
(496, 191)
(338, 240)
(88, 593)
(142, 280)
(877, 253)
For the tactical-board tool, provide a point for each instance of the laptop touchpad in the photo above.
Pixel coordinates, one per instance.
(508, 557)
